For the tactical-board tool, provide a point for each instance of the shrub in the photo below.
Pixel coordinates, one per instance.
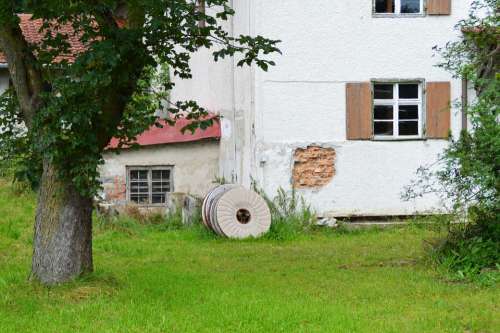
(468, 173)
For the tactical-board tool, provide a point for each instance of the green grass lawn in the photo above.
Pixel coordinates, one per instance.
(149, 279)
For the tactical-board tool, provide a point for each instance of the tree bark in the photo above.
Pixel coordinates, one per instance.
(62, 247)
(26, 78)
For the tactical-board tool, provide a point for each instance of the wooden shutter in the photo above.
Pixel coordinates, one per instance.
(359, 111)
(438, 96)
(439, 7)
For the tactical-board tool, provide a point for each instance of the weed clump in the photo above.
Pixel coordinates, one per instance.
(291, 216)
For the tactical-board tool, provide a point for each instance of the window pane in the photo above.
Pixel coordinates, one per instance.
(408, 91)
(384, 6)
(138, 174)
(410, 6)
(408, 112)
(383, 128)
(383, 91)
(161, 187)
(383, 112)
(159, 175)
(138, 183)
(138, 186)
(140, 199)
(138, 190)
(408, 128)
(158, 198)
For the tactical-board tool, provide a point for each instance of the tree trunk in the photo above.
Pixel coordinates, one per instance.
(62, 247)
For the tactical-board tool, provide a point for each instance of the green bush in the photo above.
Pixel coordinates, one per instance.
(467, 174)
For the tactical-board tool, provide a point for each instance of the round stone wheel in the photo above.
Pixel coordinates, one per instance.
(241, 213)
(209, 206)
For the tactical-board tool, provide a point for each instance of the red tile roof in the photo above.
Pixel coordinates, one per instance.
(31, 31)
(173, 134)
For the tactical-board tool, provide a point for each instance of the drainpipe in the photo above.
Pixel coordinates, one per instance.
(465, 103)
(234, 173)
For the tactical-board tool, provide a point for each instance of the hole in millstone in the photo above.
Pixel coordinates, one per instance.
(243, 216)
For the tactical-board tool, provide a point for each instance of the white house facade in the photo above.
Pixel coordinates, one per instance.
(353, 107)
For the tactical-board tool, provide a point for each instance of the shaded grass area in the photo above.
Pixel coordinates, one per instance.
(150, 278)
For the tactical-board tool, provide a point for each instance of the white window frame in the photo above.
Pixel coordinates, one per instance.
(395, 102)
(397, 10)
(150, 170)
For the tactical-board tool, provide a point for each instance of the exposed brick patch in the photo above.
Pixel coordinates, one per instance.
(314, 166)
(115, 189)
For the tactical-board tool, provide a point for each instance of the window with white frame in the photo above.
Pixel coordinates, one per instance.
(149, 185)
(397, 110)
(398, 7)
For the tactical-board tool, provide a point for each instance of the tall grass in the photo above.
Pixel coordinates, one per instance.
(291, 215)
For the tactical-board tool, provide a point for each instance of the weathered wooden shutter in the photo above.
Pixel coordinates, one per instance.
(438, 95)
(439, 7)
(359, 111)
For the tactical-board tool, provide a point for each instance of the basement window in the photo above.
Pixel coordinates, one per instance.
(398, 7)
(149, 185)
(397, 110)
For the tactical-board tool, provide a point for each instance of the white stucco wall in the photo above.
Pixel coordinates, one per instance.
(227, 90)
(195, 166)
(302, 100)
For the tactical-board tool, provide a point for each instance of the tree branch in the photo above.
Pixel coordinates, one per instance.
(26, 78)
(118, 97)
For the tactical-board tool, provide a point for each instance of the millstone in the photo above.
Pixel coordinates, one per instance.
(235, 212)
